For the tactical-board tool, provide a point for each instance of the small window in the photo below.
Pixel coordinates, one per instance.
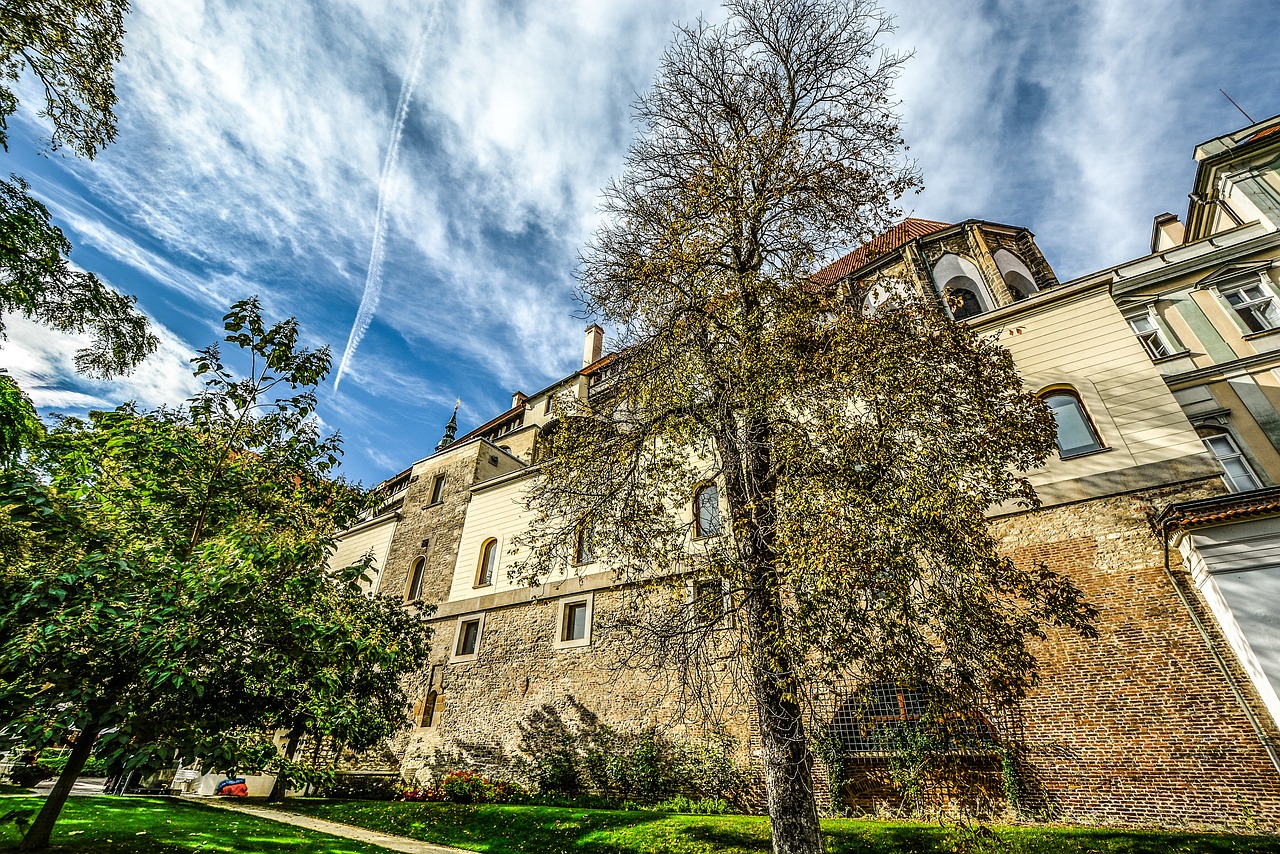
(1255, 306)
(546, 406)
(584, 544)
(575, 622)
(1151, 336)
(1239, 474)
(706, 511)
(573, 625)
(1076, 435)
(437, 489)
(468, 643)
(428, 710)
(415, 580)
(488, 562)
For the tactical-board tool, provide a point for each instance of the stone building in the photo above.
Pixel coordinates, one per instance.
(1168, 717)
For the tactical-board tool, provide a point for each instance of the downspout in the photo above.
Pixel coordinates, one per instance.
(1217, 656)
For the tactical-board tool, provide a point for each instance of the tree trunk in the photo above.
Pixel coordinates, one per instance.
(750, 490)
(788, 771)
(37, 837)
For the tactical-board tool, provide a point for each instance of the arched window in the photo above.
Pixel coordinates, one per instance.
(961, 286)
(584, 543)
(429, 710)
(1240, 475)
(488, 562)
(1076, 434)
(961, 299)
(415, 580)
(1016, 275)
(706, 511)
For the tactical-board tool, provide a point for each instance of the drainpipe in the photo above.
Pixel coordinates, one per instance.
(1217, 656)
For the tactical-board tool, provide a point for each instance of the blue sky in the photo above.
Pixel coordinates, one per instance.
(254, 136)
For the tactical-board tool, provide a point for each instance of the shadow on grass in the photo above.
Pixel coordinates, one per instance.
(137, 825)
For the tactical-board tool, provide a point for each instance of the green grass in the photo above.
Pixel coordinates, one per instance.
(137, 825)
(7, 789)
(560, 830)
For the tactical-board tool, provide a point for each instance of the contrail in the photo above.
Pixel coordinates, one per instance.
(373, 279)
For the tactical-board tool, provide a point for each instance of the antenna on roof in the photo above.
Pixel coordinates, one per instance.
(1237, 106)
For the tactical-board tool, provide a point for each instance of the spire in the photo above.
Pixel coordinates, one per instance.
(450, 429)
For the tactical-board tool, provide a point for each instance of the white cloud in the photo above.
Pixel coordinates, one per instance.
(43, 362)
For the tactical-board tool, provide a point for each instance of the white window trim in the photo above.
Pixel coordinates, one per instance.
(454, 656)
(1258, 279)
(557, 640)
(1159, 330)
(1238, 454)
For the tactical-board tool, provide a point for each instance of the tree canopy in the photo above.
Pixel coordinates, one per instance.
(69, 49)
(853, 457)
(164, 577)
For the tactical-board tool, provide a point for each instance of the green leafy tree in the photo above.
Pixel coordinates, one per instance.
(68, 47)
(852, 458)
(164, 582)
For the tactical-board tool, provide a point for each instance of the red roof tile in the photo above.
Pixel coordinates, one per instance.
(879, 246)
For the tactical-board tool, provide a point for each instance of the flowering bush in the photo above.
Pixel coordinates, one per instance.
(467, 787)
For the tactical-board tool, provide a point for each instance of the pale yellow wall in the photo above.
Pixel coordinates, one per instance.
(498, 512)
(352, 546)
(1084, 341)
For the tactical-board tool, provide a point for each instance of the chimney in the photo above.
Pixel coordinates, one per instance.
(1167, 232)
(518, 399)
(594, 346)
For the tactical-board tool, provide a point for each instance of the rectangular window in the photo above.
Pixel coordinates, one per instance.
(468, 637)
(575, 622)
(709, 599)
(546, 407)
(1153, 340)
(1240, 476)
(1255, 306)
(437, 489)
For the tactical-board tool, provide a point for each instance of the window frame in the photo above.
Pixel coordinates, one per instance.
(584, 552)
(456, 655)
(1070, 392)
(417, 575)
(1158, 332)
(437, 489)
(1267, 296)
(560, 641)
(1238, 454)
(488, 561)
(700, 533)
(724, 617)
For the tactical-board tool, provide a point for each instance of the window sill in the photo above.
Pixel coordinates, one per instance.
(1078, 454)
(1171, 357)
(569, 646)
(482, 586)
(698, 537)
(1249, 336)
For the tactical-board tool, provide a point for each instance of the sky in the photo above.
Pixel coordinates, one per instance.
(433, 169)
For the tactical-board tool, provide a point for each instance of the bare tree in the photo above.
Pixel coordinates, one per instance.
(793, 491)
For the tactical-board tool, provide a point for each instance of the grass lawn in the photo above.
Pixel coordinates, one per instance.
(6, 789)
(137, 825)
(556, 830)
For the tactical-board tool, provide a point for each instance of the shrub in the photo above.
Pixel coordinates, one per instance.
(362, 787)
(468, 787)
(93, 767)
(27, 776)
(701, 806)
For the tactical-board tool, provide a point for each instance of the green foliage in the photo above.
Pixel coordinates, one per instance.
(70, 47)
(691, 806)
(27, 776)
(94, 767)
(37, 281)
(584, 757)
(164, 578)
(20, 426)
(362, 787)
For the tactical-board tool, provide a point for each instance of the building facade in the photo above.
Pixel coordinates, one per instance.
(1159, 374)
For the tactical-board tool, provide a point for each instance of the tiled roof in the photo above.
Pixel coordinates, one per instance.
(879, 246)
(1224, 508)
